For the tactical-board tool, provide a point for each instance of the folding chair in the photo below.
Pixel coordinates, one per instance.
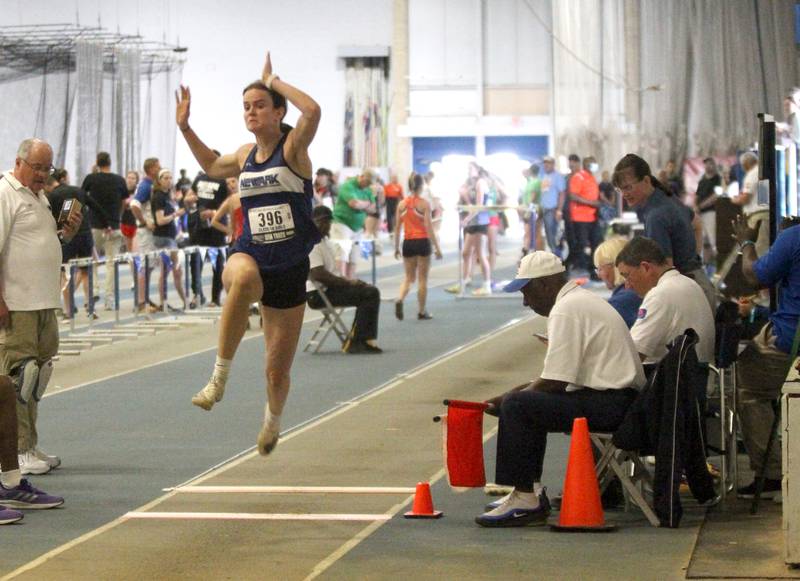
(331, 321)
(629, 468)
(728, 334)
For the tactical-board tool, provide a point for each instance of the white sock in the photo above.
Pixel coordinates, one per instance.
(221, 369)
(11, 479)
(530, 498)
(272, 420)
(538, 488)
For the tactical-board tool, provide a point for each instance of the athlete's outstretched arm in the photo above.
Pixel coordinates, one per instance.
(216, 166)
(302, 135)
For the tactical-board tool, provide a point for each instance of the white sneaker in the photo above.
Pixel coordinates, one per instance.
(267, 438)
(30, 464)
(209, 395)
(52, 461)
(483, 291)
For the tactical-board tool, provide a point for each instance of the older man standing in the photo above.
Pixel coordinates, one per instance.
(591, 370)
(30, 285)
(355, 200)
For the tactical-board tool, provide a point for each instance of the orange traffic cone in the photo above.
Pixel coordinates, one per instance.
(423, 503)
(581, 510)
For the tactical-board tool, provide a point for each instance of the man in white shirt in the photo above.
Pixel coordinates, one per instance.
(748, 198)
(30, 261)
(591, 370)
(672, 302)
(342, 292)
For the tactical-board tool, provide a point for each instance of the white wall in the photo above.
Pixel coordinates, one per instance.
(227, 41)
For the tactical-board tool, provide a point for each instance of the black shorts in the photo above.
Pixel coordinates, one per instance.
(416, 247)
(481, 229)
(284, 289)
(80, 246)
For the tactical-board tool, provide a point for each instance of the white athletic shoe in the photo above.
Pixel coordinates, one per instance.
(30, 464)
(267, 439)
(209, 395)
(52, 461)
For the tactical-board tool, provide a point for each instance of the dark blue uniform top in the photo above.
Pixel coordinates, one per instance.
(276, 206)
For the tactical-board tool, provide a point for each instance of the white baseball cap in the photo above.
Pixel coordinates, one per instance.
(535, 265)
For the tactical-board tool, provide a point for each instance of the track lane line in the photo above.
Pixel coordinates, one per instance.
(294, 431)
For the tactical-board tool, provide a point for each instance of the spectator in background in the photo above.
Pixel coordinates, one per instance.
(624, 300)
(609, 208)
(529, 212)
(393, 193)
(709, 187)
(355, 199)
(437, 208)
(229, 219)
(553, 195)
(127, 224)
(82, 245)
(165, 233)
(748, 197)
(323, 188)
(108, 190)
(206, 195)
(673, 179)
(140, 206)
(584, 196)
(184, 184)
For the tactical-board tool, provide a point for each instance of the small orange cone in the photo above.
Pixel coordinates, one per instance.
(581, 509)
(423, 503)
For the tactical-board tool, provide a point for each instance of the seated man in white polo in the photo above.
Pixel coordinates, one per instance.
(356, 198)
(591, 370)
(672, 303)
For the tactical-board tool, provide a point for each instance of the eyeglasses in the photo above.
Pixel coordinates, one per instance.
(49, 169)
(628, 187)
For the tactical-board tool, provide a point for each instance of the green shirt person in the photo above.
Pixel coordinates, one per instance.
(354, 199)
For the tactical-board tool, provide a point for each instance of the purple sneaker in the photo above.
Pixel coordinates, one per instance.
(25, 496)
(9, 515)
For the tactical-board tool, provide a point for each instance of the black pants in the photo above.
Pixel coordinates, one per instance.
(197, 262)
(586, 236)
(526, 417)
(391, 210)
(365, 298)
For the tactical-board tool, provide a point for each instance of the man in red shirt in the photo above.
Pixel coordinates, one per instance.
(393, 192)
(584, 196)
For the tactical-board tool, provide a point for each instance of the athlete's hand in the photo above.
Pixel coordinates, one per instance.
(267, 69)
(438, 254)
(183, 100)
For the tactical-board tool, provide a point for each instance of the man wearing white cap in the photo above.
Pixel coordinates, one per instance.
(591, 370)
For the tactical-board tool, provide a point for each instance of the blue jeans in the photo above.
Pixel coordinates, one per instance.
(551, 230)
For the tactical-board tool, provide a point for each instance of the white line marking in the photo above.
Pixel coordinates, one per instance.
(339, 553)
(254, 516)
(242, 457)
(292, 490)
